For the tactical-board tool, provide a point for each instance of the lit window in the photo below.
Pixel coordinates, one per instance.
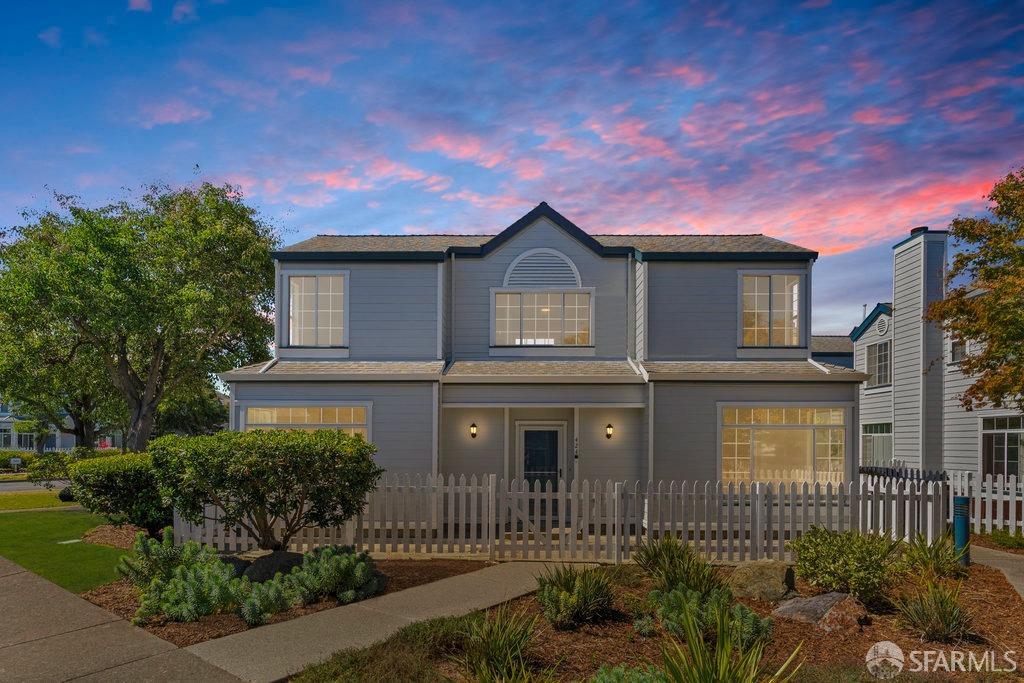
(879, 366)
(542, 319)
(771, 310)
(1001, 441)
(876, 445)
(349, 419)
(316, 310)
(783, 444)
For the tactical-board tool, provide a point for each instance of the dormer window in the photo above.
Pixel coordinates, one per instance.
(549, 318)
(316, 310)
(771, 310)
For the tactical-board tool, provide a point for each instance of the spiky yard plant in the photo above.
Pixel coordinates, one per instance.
(192, 592)
(334, 571)
(152, 558)
(673, 564)
(674, 606)
(938, 559)
(935, 613)
(495, 645)
(257, 602)
(570, 596)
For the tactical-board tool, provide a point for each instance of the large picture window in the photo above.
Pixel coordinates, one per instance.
(1001, 441)
(316, 310)
(876, 445)
(349, 419)
(771, 310)
(879, 365)
(783, 444)
(542, 319)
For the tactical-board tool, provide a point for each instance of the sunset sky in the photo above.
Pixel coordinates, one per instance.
(837, 126)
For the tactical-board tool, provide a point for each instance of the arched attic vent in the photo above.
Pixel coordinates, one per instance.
(542, 267)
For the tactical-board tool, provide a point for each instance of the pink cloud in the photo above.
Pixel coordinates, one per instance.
(631, 132)
(809, 142)
(690, 75)
(51, 36)
(463, 147)
(170, 111)
(528, 169)
(312, 199)
(384, 169)
(339, 179)
(784, 103)
(876, 116)
(308, 74)
(489, 202)
(250, 91)
(140, 5)
(184, 10)
(967, 89)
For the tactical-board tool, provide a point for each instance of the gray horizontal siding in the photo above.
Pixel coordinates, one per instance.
(686, 420)
(620, 458)
(462, 454)
(875, 404)
(401, 417)
(907, 357)
(473, 278)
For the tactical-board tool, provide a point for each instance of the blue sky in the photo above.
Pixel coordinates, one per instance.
(837, 126)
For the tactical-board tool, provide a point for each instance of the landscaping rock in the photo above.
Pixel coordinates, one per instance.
(766, 580)
(828, 612)
(264, 568)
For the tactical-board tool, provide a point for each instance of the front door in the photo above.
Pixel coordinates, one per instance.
(541, 453)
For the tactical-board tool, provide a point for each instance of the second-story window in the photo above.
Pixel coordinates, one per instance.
(542, 319)
(957, 351)
(316, 310)
(879, 365)
(771, 310)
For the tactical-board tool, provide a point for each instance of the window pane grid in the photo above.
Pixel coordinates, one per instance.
(542, 319)
(878, 366)
(316, 310)
(349, 419)
(771, 310)
(783, 443)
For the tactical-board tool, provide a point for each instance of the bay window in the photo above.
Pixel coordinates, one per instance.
(771, 310)
(542, 318)
(349, 419)
(316, 310)
(783, 444)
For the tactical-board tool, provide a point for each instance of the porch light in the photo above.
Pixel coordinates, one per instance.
(472, 430)
(608, 431)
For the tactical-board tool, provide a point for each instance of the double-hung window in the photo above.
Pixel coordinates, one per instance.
(548, 318)
(879, 365)
(349, 419)
(876, 445)
(771, 310)
(316, 310)
(957, 351)
(1001, 441)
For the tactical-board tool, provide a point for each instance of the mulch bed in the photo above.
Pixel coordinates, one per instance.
(984, 541)
(115, 535)
(576, 655)
(121, 598)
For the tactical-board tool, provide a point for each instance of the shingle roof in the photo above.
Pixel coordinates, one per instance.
(545, 370)
(646, 243)
(755, 370)
(831, 343)
(327, 369)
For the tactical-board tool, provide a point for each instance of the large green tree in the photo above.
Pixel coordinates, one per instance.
(192, 410)
(984, 304)
(166, 290)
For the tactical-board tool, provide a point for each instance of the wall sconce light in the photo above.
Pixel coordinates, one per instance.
(608, 431)
(472, 430)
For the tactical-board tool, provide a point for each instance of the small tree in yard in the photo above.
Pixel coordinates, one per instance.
(266, 478)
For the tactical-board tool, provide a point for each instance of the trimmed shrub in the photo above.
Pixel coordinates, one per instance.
(623, 673)
(848, 562)
(934, 612)
(936, 560)
(570, 596)
(53, 466)
(27, 458)
(317, 478)
(496, 645)
(673, 564)
(192, 592)
(335, 571)
(675, 606)
(157, 559)
(122, 487)
(257, 602)
(66, 495)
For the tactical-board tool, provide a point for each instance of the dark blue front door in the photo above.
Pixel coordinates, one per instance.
(540, 456)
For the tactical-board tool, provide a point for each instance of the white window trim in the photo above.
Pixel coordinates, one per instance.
(848, 415)
(533, 350)
(802, 350)
(541, 250)
(285, 349)
(861, 435)
(982, 431)
(883, 385)
(243, 406)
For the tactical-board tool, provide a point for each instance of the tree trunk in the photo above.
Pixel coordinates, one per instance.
(140, 428)
(84, 431)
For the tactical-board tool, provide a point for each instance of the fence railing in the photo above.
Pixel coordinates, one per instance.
(605, 521)
(913, 473)
(996, 502)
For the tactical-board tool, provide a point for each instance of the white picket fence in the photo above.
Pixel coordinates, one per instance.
(604, 521)
(996, 502)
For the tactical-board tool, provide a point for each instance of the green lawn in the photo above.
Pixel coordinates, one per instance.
(26, 500)
(13, 476)
(33, 540)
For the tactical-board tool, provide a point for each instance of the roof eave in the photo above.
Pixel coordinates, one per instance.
(380, 256)
(727, 256)
(542, 379)
(879, 309)
(850, 378)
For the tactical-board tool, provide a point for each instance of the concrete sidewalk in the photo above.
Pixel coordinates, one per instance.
(1011, 565)
(274, 652)
(50, 634)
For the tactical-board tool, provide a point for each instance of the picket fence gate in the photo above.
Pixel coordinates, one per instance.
(604, 521)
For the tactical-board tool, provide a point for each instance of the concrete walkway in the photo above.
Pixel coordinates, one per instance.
(1011, 565)
(274, 652)
(49, 634)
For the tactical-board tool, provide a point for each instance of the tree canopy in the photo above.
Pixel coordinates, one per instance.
(984, 304)
(164, 291)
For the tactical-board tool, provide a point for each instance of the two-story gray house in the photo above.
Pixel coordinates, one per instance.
(910, 409)
(546, 352)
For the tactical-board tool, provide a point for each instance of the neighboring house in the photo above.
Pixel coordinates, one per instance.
(546, 352)
(836, 349)
(12, 440)
(910, 410)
